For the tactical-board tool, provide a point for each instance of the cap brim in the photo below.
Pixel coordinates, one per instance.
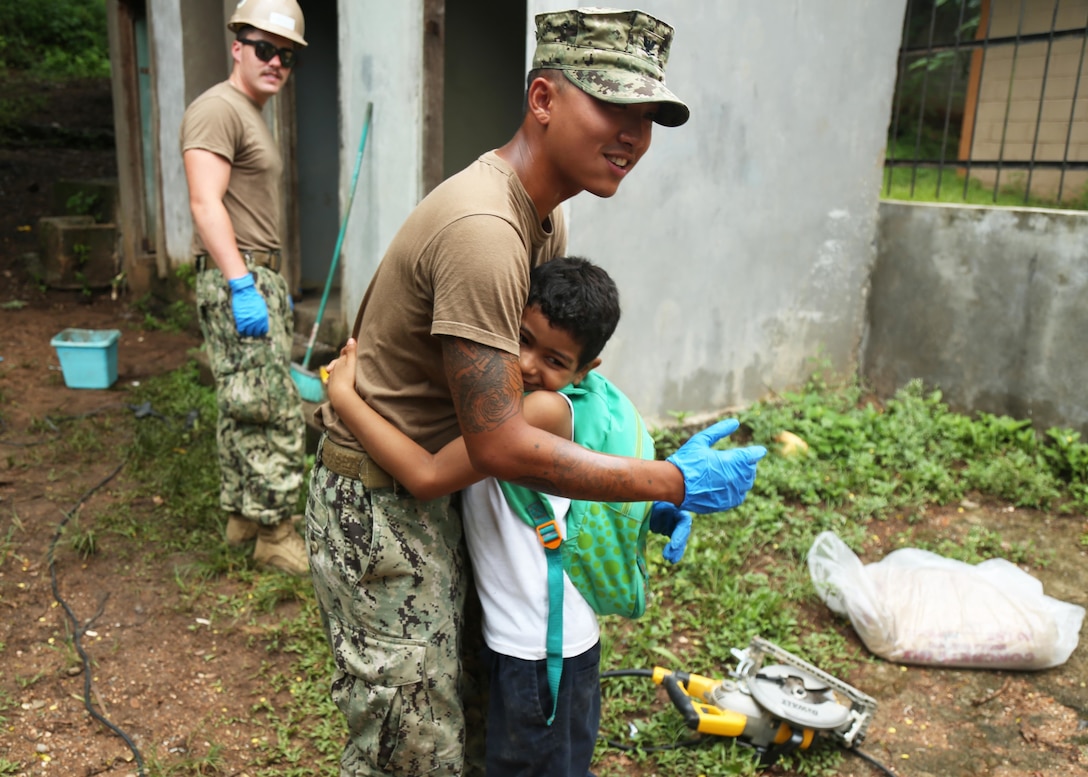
(627, 88)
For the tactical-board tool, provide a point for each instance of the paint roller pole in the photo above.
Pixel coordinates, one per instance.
(340, 237)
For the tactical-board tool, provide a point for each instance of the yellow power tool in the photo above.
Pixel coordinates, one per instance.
(776, 708)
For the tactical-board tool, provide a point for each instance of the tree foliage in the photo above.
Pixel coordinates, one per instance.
(54, 38)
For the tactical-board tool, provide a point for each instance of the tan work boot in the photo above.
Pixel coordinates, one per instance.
(240, 531)
(281, 547)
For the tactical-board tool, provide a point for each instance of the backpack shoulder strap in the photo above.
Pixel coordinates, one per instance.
(602, 422)
(536, 511)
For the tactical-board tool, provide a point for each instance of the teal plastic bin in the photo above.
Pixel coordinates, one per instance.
(88, 357)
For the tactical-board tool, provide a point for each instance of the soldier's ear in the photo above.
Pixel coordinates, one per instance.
(541, 98)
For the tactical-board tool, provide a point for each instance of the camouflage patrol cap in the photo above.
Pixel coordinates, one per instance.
(616, 56)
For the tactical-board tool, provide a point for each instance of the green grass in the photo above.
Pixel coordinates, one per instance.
(932, 184)
(870, 465)
(173, 454)
(745, 574)
(173, 450)
(176, 316)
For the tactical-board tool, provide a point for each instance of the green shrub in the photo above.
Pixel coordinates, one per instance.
(55, 38)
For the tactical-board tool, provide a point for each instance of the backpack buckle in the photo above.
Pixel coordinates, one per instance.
(549, 534)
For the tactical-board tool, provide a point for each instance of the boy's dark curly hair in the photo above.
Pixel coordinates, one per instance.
(578, 297)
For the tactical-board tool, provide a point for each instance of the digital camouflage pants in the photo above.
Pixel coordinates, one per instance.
(260, 429)
(390, 577)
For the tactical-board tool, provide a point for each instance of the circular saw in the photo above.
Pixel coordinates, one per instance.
(774, 702)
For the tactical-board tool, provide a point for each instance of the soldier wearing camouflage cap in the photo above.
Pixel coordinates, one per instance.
(438, 335)
(615, 56)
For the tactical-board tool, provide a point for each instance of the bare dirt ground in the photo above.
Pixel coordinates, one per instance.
(167, 678)
(174, 683)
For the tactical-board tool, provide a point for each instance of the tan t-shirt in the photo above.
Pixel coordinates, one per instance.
(226, 122)
(458, 266)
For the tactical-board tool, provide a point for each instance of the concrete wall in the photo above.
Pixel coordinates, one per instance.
(986, 304)
(743, 243)
(169, 57)
(380, 61)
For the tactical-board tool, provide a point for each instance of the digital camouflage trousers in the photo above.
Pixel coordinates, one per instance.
(390, 577)
(260, 430)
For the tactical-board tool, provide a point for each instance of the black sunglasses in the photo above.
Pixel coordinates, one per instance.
(265, 51)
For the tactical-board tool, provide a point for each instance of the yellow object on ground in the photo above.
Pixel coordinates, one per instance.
(792, 445)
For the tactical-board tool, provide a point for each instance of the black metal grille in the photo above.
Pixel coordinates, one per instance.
(988, 103)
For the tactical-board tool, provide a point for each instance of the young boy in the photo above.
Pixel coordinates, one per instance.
(572, 310)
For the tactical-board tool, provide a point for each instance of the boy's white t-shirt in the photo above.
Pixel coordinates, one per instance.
(511, 574)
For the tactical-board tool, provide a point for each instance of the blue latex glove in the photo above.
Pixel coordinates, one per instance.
(716, 480)
(668, 519)
(249, 308)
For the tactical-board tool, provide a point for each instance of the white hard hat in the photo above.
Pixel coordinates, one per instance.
(277, 17)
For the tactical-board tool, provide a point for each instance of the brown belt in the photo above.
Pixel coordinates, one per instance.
(270, 259)
(354, 464)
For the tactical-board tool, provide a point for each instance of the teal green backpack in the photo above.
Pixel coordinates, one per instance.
(604, 552)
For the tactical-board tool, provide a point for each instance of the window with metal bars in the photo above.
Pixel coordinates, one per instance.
(990, 104)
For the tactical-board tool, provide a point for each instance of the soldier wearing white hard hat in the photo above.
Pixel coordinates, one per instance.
(234, 171)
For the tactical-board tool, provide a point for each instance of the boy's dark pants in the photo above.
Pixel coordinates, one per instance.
(520, 743)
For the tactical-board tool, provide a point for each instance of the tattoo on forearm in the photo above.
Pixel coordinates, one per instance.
(485, 384)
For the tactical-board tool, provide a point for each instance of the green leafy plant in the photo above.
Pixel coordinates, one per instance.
(176, 316)
(871, 468)
(55, 38)
(83, 203)
(7, 542)
(173, 446)
(186, 273)
(868, 463)
(82, 253)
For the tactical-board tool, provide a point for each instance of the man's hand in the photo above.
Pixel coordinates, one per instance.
(668, 519)
(716, 480)
(249, 308)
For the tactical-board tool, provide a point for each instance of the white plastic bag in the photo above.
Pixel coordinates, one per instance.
(915, 607)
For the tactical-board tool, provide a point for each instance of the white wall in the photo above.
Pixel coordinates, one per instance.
(381, 60)
(175, 221)
(743, 242)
